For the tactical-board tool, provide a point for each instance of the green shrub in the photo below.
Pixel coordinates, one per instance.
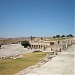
(25, 43)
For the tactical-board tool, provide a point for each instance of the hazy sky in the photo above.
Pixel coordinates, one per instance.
(36, 17)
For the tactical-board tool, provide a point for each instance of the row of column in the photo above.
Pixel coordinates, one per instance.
(39, 46)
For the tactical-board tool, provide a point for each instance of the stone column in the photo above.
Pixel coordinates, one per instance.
(36, 46)
(60, 49)
(44, 47)
(31, 46)
(66, 46)
(39, 46)
(51, 49)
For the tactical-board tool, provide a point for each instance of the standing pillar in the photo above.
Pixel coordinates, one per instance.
(66, 46)
(36, 46)
(32, 46)
(39, 46)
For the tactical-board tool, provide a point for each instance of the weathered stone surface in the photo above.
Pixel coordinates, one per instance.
(62, 64)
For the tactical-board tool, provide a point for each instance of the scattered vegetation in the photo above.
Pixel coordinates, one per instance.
(70, 35)
(57, 36)
(63, 36)
(54, 37)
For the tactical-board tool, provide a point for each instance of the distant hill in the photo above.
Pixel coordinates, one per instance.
(13, 40)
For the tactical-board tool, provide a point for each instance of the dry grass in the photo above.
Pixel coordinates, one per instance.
(10, 67)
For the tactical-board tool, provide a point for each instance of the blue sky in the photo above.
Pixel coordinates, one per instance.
(19, 18)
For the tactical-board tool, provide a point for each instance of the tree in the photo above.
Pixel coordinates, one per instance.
(25, 43)
(67, 35)
(70, 35)
(57, 36)
(54, 37)
(63, 36)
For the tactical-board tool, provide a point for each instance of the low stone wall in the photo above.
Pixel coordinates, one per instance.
(11, 57)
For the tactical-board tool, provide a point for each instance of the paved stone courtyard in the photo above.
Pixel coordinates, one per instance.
(62, 64)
